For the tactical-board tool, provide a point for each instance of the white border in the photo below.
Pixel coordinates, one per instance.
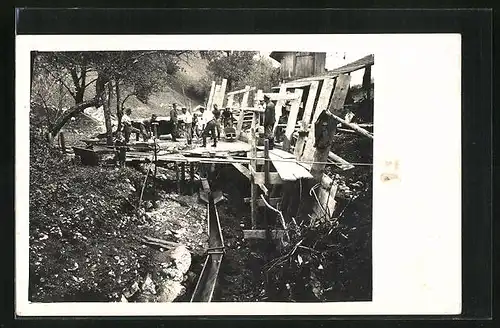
(416, 219)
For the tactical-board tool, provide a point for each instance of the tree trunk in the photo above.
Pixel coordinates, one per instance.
(33, 58)
(71, 112)
(107, 115)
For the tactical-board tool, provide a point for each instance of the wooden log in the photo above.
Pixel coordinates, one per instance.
(277, 96)
(336, 105)
(353, 126)
(273, 201)
(323, 100)
(241, 91)
(306, 119)
(244, 103)
(292, 119)
(221, 94)
(340, 162)
(262, 234)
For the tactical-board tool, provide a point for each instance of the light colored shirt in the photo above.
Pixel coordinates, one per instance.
(188, 117)
(126, 119)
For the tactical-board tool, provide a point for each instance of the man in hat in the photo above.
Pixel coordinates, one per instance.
(188, 123)
(212, 130)
(227, 117)
(174, 120)
(147, 125)
(269, 120)
(128, 128)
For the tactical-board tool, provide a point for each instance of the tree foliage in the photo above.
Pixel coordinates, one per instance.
(139, 72)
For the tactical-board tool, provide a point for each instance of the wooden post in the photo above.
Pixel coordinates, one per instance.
(221, 95)
(183, 177)
(279, 105)
(336, 105)
(62, 142)
(230, 101)
(266, 182)
(255, 115)
(253, 187)
(292, 119)
(177, 177)
(244, 103)
(367, 81)
(323, 100)
(137, 136)
(122, 155)
(191, 176)
(155, 129)
(306, 119)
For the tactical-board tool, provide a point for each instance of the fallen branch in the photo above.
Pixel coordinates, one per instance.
(353, 126)
(283, 223)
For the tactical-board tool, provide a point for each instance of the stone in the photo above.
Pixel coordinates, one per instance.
(169, 291)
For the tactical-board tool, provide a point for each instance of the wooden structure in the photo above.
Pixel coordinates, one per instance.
(296, 65)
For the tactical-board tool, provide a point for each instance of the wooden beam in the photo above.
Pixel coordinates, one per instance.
(349, 68)
(253, 186)
(294, 84)
(256, 114)
(244, 103)
(230, 101)
(292, 119)
(261, 234)
(277, 96)
(211, 96)
(340, 162)
(323, 100)
(353, 126)
(274, 178)
(243, 170)
(279, 106)
(222, 91)
(306, 119)
(241, 91)
(336, 104)
(272, 201)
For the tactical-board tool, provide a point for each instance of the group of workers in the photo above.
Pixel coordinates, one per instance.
(204, 124)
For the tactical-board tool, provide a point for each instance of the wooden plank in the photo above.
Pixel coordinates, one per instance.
(211, 96)
(272, 201)
(279, 105)
(285, 169)
(261, 234)
(277, 96)
(256, 115)
(264, 189)
(349, 68)
(230, 101)
(222, 91)
(324, 98)
(243, 170)
(292, 119)
(306, 119)
(281, 153)
(336, 105)
(244, 103)
(274, 178)
(293, 84)
(240, 91)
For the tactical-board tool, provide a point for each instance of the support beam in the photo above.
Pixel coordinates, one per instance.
(323, 100)
(336, 105)
(244, 103)
(211, 96)
(62, 142)
(256, 115)
(292, 119)
(279, 105)
(340, 162)
(253, 187)
(261, 234)
(273, 201)
(241, 91)
(306, 120)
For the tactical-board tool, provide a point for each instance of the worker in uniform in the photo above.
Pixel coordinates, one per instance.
(227, 117)
(269, 120)
(212, 130)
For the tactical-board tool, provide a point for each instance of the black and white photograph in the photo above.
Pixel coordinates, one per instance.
(253, 175)
(201, 176)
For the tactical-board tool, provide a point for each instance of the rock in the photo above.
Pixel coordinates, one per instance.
(148, 286)
(129, 292)
(181, 257)
(123, 299)
(148, 205)
(169, 291)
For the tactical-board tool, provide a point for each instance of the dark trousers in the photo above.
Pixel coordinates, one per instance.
(268, 134)
(174, 131)
(212, 129)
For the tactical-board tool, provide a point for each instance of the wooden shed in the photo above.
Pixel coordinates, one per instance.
(296, 65)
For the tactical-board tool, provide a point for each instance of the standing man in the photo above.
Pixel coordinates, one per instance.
(173, 119)
(211, 129)
(269, 120)
(227, 117)
(216, 114)
(188, 121)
